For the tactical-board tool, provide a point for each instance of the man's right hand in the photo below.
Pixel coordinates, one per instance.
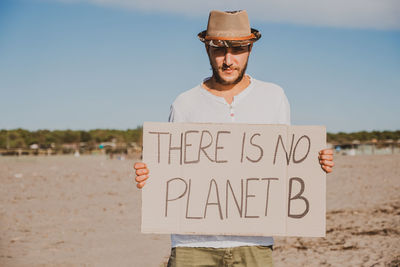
(142, 174)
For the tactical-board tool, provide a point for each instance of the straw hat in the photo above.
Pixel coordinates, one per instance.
(229, 28)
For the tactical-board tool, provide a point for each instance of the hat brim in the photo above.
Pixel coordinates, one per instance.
(229, 42)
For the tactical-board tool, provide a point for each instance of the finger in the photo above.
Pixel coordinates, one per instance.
(142, 171)
(327, 157)
(327, 169)
(327, 163)
(327, 151)
(140, 185)
(139, 165)
(141, 178)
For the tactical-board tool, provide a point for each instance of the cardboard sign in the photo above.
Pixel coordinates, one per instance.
(233, 179)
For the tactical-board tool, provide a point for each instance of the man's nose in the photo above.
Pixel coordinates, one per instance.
(228, 57)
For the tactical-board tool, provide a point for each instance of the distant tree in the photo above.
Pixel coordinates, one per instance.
(3, 138)
(71, 137)
(85, 136)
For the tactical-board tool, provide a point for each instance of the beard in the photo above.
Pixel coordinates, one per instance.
(221, 80)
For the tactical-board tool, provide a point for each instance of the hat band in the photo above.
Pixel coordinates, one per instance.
(251, 36)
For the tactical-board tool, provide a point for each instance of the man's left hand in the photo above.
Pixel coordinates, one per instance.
(326, 159)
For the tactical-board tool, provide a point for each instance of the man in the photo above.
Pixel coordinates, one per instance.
(228, 96)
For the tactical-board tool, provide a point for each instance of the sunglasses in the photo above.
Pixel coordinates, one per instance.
(235, 50)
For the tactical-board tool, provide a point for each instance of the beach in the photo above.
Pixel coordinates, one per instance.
(85, 211)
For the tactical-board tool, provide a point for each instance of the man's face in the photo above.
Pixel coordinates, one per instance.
(228, 63)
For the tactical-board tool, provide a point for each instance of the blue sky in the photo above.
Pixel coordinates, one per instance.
(114, 64)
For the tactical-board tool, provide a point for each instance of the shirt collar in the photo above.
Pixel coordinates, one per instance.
(236, 99)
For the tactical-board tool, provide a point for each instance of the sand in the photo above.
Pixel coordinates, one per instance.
(67, 211)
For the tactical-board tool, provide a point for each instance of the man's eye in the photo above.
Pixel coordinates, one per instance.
(220, 50)
(239, 50)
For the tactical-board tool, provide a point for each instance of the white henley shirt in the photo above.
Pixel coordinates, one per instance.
(259, 103)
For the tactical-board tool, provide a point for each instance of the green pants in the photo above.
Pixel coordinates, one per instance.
(249, 256)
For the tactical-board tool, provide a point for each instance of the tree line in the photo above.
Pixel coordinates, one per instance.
(21, 138)
(363, 136)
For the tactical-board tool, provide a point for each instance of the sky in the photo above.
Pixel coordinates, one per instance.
(88, 64)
